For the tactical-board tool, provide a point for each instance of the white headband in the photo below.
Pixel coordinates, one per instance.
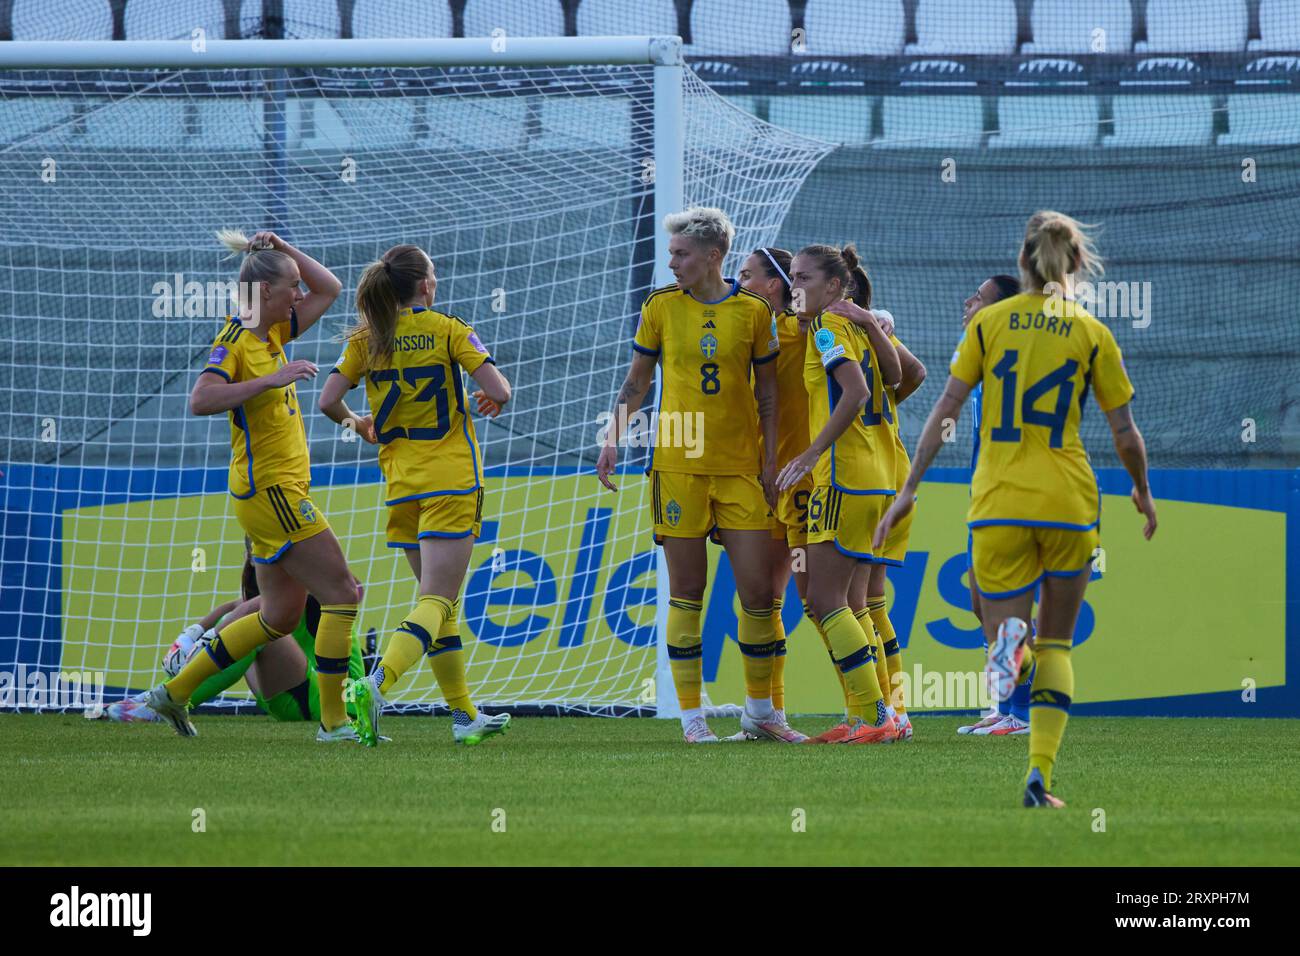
(779, 271)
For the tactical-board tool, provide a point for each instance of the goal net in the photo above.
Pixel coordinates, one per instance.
(536, 187)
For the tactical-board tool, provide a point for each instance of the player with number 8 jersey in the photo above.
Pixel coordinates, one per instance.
(708, 334)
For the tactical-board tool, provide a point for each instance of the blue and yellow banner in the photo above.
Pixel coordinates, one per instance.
(103, 568)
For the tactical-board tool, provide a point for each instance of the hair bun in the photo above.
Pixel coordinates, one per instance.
(850, 255)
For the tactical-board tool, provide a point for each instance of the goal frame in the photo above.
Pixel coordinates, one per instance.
(663, 53)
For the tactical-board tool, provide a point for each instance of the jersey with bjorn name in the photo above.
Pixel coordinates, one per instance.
(1036, 360)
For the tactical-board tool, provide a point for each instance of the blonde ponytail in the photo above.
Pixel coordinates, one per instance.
(262, 263)
(1056, 246)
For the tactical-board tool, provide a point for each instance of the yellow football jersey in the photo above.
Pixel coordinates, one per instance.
(863, 460)
(792, 438)
(708, 419)
(1036, 369)
(268, 441)
(427, 444)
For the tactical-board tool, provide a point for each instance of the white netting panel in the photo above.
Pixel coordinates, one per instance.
(527, 186)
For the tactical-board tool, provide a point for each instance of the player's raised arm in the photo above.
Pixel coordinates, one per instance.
(913, 373)
(323, 287)
(857, 309)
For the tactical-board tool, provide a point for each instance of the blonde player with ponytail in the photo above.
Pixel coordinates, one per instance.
(411, 359)
(1035, 506)
(294, 551)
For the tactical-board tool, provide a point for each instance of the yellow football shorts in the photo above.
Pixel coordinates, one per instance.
(277, 516)
(850, 521)
(791, 517)
(1010, 559)
(692, 506)
(438, 516)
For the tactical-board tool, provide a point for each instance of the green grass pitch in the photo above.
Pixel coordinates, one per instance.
(589, 791)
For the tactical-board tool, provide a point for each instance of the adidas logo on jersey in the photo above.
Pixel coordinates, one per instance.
(710, 325)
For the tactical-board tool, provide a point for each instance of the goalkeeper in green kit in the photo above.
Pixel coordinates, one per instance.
(280, 674)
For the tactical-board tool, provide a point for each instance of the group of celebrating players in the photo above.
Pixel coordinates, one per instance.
(797, 383)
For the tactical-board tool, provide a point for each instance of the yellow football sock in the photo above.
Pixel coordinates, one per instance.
(855, 657)
(333, 651)
(234, 641)
(412, 639)
(879, 608)
(778, 659)
(1049, 705)
(878, 648)
(447, 659)
(686, 651)
(757, 646)
(844, 688)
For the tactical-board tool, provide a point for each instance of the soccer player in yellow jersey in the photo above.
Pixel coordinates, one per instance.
(849, 374)
(706, 474)
(1035, 505)
(767, 273)
(867, 597)
(411, 359)
(248, 375)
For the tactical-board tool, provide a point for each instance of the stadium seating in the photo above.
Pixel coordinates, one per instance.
(1195, 26)
(168, 20)
(20, 118)
(920, 122)
(956, 26)
(138, 124)
(836, 119)
(714, 29)
(395, 19)
(1279, 26)
(228, 123)
(1169, 120)
(539, 18)
(72, 20)
(852, 27)
(627, 17)
(1068, 26)
(567, 124)
(1262, 119)
(1046, 120)
(303, 19)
